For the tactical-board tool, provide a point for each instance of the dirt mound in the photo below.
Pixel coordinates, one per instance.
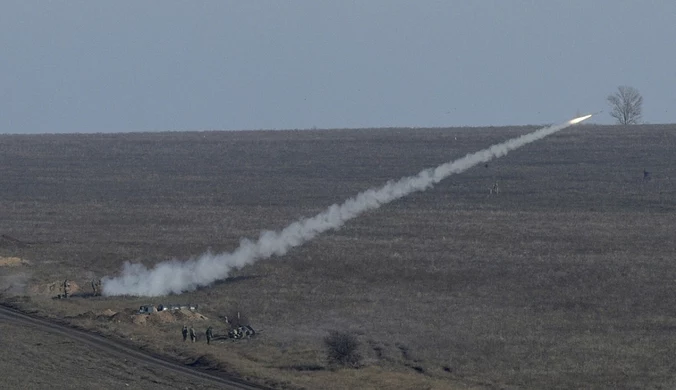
(124, 316)
(162, 317)
(53, 289)
(107, 313)
(12, 261)
(188, 315)
(139, 319)
(167, 317)
(88, 315)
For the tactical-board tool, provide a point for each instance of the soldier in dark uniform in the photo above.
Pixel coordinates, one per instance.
(192, 334)
(96, 287)
(495, 189)
(66, 288)
(210, 335)
(185, 333)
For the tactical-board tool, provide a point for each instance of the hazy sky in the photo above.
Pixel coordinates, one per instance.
(102, 66)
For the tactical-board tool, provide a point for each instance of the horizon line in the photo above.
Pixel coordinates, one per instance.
(314, 128)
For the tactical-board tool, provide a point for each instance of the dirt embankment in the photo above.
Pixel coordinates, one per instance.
(54, 288)
(12, 261)
(131, 316)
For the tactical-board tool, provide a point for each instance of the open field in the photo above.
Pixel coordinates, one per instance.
(564, 280)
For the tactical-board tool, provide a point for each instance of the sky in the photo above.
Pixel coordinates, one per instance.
(127, 65)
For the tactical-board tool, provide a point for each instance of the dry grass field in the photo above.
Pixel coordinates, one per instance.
(566, 279)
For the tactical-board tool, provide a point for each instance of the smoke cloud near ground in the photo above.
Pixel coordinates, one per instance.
(14, 284)
(180, 276)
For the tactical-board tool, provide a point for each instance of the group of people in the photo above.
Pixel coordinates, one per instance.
(193, 336)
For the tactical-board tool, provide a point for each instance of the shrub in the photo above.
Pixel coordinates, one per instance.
(342, 348)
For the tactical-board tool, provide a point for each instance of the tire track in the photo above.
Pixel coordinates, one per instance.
(223, 380)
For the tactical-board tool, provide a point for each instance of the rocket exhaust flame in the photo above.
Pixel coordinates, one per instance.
(179, 276)
(580, 119)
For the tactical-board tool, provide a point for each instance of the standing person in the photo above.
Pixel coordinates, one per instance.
(210, 335)
(185, 333)
(192, 334)
(495, 189)
(66, 288)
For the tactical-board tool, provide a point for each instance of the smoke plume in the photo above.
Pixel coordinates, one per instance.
(13, 284)
(179, 276)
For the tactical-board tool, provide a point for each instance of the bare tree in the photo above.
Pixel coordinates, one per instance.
(626, 105)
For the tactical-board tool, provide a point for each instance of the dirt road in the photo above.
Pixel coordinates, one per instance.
(38, 353)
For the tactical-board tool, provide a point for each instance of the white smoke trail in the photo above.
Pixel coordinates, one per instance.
(180, 276)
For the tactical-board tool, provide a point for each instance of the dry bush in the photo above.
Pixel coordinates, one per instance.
(342, 348)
